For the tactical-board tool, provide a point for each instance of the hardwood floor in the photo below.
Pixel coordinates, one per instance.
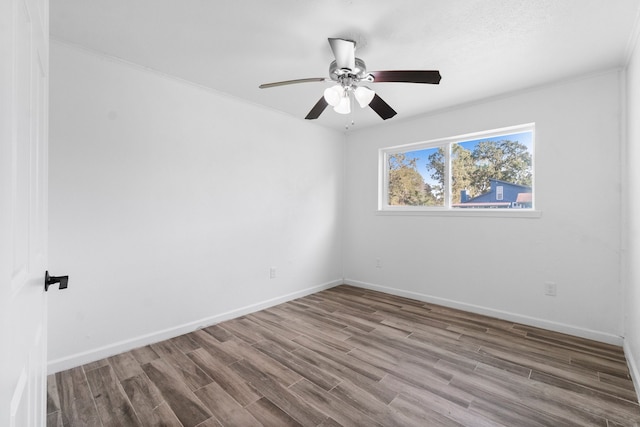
(353, 357)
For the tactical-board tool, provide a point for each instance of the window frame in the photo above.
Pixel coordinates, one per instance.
(384, 208)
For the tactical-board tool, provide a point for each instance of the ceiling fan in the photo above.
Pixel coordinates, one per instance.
(350, 74)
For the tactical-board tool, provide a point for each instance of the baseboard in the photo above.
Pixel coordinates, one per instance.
(505, 315)
(633, 367)
(79, 359)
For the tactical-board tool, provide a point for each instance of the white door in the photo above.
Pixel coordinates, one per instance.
(24, 62)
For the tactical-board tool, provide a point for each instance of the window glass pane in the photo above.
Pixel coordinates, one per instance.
(492, 172)
(416, 178)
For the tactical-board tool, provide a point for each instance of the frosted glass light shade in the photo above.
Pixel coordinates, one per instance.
(333, 95)
(363, 95)
(344, 107)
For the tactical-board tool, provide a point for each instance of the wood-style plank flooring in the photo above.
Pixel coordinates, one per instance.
(353, 357)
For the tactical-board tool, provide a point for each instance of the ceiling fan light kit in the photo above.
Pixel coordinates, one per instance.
(348, 71)
(344, 106)
(339, 97)
(333, 95)
(363, 95)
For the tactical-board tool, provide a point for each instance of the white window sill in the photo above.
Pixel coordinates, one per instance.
(491, 213)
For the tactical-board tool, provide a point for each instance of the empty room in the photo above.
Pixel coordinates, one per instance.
(320, 213)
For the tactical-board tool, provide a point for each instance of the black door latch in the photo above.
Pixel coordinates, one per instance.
(50, 280)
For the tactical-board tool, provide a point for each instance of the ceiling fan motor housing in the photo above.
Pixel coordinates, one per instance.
(359, 72)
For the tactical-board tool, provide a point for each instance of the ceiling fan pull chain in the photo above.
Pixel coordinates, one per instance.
(350, 122)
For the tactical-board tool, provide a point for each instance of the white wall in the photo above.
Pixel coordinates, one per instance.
(498, 266)
(632, 217)
(169, 203)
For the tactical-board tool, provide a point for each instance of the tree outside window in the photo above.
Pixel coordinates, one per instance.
(460, 173)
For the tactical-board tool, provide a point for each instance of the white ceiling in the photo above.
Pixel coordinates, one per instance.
(482, 48)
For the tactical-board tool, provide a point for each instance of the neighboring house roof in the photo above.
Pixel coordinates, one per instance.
(524, 198)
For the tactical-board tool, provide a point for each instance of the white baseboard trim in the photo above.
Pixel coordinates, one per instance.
(633, 367)
(82, 358)
(505, 315)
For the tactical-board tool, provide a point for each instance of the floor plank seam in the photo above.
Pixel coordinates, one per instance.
(91, 393)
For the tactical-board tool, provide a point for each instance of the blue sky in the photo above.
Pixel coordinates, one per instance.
(423, 154)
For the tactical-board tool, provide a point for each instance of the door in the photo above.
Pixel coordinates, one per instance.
(24, 61)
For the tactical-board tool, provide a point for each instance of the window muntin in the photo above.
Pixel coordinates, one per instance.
(487, 170)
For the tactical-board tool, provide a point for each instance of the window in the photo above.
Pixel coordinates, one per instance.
(487, 170)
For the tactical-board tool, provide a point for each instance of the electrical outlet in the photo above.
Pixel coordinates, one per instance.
(272, 273)
(550, 289)
(378, 263)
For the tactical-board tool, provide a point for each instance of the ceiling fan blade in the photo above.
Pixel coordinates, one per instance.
(345, 52)
(317, 109)
(383, 109)
(291, 82)
(407, 76)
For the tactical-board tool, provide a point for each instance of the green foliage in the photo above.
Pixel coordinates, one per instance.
(462, 165)
(406, 185)
(472, 170)
(504, 160)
